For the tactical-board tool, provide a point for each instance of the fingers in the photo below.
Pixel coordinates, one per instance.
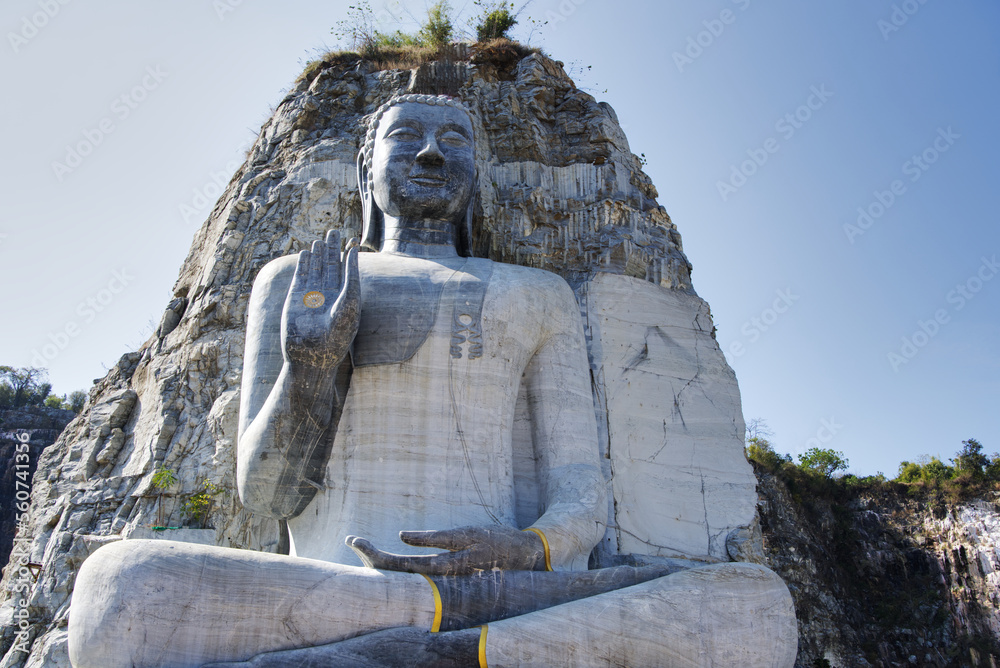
(317, 265)
(331, 277)
(351, 291)
(302, 266)
(446, 563)
(372, 557)
(363, 548)
(448, 539)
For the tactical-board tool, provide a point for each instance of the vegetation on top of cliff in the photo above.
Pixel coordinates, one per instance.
(971, 473)
(432, 41)
(26, 386)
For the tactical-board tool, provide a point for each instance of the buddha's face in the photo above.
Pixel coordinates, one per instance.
(423, 165)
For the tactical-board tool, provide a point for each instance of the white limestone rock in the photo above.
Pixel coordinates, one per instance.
(674, 425)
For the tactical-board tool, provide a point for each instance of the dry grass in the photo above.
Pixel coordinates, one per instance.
(502, 53)
(326, 61)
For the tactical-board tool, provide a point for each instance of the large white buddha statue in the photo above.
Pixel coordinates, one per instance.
(378, 407)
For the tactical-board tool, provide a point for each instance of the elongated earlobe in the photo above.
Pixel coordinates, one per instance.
(371, 216)
(463, 235)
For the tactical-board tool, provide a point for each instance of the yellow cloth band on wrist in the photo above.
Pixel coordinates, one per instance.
(436, 625)
(545, 544)
(482, 646)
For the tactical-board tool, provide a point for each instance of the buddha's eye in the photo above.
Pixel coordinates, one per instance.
(404, 134)
(452, 138)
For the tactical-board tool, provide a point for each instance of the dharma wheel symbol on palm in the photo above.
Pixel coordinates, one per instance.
(313, 299)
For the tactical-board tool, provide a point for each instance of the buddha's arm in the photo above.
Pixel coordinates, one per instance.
(294, 380)
(564, 431)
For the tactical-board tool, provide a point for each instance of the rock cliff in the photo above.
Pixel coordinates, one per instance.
(880, 578)
(560, 189)
(34, 426)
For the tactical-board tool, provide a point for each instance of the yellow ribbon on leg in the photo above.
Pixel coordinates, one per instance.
(545, 544)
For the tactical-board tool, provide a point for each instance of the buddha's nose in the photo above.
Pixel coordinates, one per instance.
(430, 154)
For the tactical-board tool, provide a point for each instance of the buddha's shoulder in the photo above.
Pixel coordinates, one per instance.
(519, 282)
(281, 268)
(541, 278)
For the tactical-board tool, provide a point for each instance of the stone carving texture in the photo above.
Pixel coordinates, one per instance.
(559, 190)
(673, 420)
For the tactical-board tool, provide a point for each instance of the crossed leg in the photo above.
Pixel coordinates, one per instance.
(157, 603)
(147, 603)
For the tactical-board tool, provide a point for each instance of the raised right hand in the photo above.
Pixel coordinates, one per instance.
(322, 310)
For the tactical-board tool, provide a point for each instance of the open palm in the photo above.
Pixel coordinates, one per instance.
(323, 307)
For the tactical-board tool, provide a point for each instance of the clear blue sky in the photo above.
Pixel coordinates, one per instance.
(700, 88)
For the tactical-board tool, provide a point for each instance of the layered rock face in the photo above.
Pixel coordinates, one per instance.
(883, 579)
(559, 190)
(36, 427)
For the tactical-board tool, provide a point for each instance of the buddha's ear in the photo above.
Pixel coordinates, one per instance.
(464, 231)
(371, 216)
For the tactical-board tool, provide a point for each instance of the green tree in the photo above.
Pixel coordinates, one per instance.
(759, 448)
(438, 29)
(24, 386)
(55, 401)
(163, 479)
(993, 468)
(77, 399)
(198, 507)
(970, 459)
(909, 472)
(824, 461)
(937, 470)
(495, 21)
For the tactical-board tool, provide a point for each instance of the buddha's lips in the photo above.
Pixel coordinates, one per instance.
(431, 180)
